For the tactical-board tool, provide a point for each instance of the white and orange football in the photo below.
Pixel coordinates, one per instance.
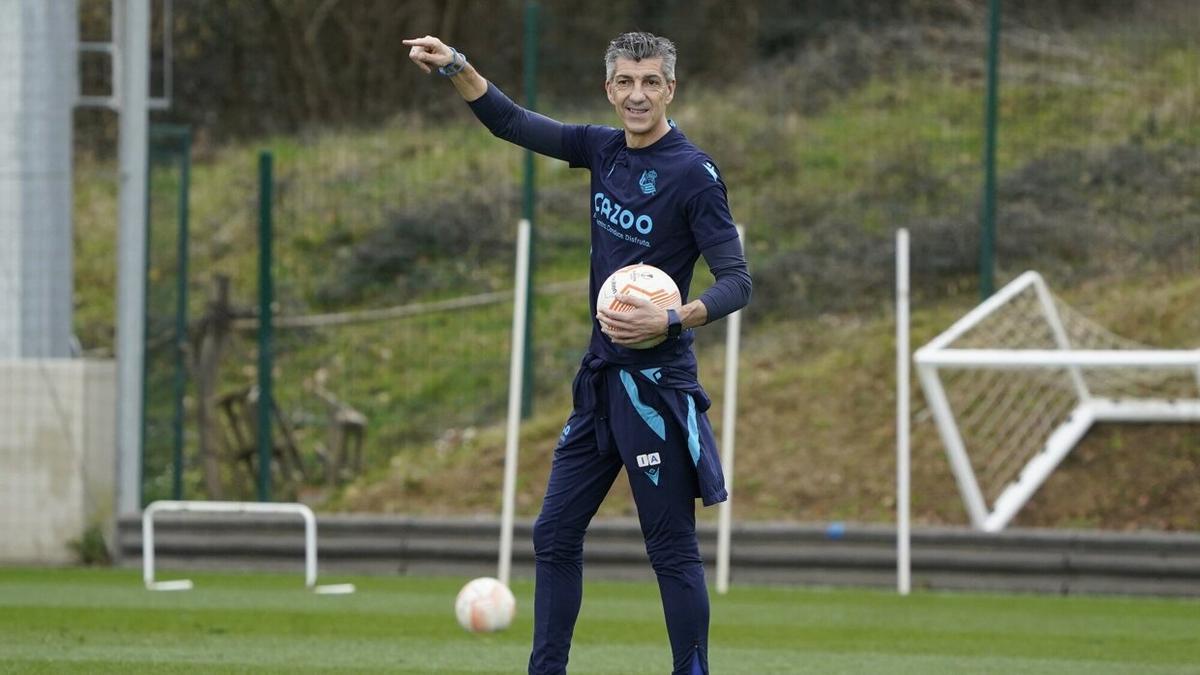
(646, 281)
(485, 605)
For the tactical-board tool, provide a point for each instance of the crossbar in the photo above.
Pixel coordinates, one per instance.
(972, 318)
(1041, 358)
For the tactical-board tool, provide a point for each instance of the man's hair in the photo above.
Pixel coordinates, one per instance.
(638, 46)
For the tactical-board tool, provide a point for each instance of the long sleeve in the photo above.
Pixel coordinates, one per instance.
(731, 290)
(509, 121)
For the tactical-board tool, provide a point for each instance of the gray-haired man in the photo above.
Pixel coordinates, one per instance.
(655, 199)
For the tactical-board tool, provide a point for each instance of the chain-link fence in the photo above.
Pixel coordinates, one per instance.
(166, 352)
(832, 126)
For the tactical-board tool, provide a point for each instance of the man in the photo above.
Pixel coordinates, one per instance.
(656, 199)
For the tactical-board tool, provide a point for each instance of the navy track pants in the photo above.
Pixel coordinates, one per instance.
(622, 418)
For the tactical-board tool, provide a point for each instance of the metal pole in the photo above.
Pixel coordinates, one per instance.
(530, 200)
(149, 246)
(733, 332)
(987, 239)
(513, 431)
(265, 301)
(956, 450)
(903, 452)
(181, 309)
(131, 244)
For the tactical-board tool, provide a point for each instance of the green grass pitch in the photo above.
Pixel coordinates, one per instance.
(102, 621)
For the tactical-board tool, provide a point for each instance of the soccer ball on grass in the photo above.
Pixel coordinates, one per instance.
(485, 605)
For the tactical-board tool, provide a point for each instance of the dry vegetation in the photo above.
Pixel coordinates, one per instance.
(816, 434)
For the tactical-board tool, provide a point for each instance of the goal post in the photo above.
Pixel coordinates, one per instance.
(310, 539)
(1018, 381)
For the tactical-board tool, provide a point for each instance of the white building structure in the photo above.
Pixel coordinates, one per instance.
(58, 436)
(38, 88)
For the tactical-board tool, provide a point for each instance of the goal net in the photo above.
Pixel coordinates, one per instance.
(1019, 380)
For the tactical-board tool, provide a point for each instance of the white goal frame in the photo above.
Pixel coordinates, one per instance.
(310, 539)
(1088, 410)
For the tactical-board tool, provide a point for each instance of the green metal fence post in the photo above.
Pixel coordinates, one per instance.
(265, 300)
(181, 311)
(169, 142)
(987, 239)
(530, 200)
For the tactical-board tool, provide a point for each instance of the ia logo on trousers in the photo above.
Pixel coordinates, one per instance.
(648, 459)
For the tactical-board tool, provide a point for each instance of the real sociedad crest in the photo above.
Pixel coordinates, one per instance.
(647, 181)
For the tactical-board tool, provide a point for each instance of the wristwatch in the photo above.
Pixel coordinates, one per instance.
(674, 324)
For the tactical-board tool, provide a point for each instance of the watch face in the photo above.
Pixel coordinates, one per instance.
(674, 325)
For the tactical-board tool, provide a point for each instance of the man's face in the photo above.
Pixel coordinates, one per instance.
(640, 93)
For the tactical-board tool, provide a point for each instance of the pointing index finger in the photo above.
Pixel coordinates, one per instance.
(427, 41)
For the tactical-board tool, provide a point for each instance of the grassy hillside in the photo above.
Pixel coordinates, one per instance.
(816, 432)
(1099, 161)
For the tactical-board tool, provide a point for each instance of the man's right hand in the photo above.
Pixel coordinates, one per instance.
(429, 52)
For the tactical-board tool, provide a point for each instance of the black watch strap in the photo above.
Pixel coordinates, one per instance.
(674, 324)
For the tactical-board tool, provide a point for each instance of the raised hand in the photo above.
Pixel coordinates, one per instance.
(429, 52)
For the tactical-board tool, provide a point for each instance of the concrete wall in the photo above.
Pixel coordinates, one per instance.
(57, 456)
(38, 89)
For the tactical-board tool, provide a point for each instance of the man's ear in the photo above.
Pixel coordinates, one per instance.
(608, 92)
(670, 92)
